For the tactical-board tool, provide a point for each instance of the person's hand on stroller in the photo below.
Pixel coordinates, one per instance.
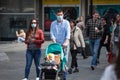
(64, 46)
(65, 43)
(53, 40)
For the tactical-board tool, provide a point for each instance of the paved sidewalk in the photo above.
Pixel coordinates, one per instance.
(12, 63)
(3, 57)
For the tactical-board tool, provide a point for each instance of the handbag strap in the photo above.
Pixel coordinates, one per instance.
(73, 35)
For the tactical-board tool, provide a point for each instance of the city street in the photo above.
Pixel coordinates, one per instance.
(98, 20)
(12, 63)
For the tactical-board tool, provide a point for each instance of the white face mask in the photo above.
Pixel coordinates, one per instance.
(59, 18)
(33, 25)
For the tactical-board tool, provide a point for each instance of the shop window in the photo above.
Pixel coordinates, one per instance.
(16, 6)
(50, 15)
(18, 23)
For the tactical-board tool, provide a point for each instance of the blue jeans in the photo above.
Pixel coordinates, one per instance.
(94, 45)
(66, 52)
(30, 55)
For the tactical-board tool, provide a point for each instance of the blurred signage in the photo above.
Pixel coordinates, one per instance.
(47, 2)
(106, 1)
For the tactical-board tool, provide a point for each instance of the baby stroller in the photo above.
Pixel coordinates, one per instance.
(53, 71)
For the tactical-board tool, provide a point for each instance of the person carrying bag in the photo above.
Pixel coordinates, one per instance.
(76, 43)
(80, 49)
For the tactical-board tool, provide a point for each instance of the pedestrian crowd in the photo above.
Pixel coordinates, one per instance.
(72, 35)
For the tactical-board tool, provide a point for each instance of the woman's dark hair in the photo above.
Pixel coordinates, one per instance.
(72, 20)
(117, 65)
(107, 21)
(30, 29)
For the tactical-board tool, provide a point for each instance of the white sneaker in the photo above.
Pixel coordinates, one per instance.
(37, 78)
(25, 79)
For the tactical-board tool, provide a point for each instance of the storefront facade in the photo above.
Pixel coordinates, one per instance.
(71, 10)
(107, 7)
(16, 14)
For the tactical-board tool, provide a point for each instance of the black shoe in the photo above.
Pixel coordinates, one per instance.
(76, 70)
(70, 71)
(92, 67)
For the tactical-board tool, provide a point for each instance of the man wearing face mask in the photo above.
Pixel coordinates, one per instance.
(60, 32)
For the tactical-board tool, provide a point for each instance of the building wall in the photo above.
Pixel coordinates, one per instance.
(71, 10)
(15, 15)
(107, 8)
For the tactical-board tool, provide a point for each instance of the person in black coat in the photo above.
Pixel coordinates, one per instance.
(106, 36)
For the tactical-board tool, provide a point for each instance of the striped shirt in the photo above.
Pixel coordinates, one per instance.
(60, 31)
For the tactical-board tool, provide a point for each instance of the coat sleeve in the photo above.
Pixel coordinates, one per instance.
(81, 39)
(52, 31)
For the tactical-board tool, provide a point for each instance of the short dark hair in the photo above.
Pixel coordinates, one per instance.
(104, 18)
(59, 10)
(95, 12)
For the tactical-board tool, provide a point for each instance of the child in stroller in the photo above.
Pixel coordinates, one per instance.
(54, 62)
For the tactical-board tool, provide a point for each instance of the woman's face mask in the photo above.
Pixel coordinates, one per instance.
(33, 25)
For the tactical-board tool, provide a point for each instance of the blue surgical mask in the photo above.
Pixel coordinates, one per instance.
(33, 25)
(59, 18)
